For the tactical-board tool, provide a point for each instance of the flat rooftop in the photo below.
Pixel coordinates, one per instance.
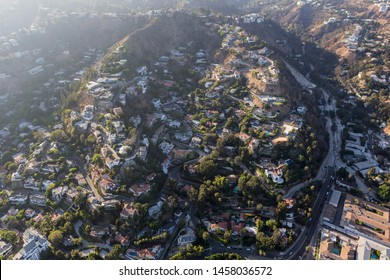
(366, 217)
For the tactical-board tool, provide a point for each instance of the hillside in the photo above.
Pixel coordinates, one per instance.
(162, 35)
(357, 33)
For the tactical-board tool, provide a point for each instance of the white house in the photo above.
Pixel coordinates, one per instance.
(188, 238)
(58, 193)
(155, 210)
(5, 248)
(38, 199)
(18, 199)
(34, 245)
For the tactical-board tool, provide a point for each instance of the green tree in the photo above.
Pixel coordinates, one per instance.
(207, 168)
(224, 256)
(58, 135)
(97, 159)
(75, 255)
(55, 237)
(114, 253)
(384, 192)
(271, 223)
(8, 235)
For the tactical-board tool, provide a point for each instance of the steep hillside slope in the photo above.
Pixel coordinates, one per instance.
(163, 34)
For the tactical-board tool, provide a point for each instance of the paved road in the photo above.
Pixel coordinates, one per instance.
(85, 243)
(87, 178)
(331, 163)
(298, 248)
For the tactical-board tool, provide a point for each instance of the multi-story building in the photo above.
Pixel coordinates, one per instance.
(34, 245)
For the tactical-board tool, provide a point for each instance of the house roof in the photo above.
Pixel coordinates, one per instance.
(371, 215)
(128, 211)
(180, 153)
(236, 226)
(104, 183)
(118, 111)
(290, 202)
(149, 252)
(151, 177)
(365, 247)
(140, 189)
(221, 225)
(122, 239)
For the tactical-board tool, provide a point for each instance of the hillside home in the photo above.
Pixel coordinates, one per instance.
(34, 245)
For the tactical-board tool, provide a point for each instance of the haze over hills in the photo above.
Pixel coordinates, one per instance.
(195, 129)
(164, 34)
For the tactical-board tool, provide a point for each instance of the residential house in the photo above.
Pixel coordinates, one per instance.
(269, 212)
(166, 147)
(179, 155)
(119, 126)
(71, 195)
(50, 168)
(174, 124)
(124, 150)
(38, 200)
(290, 202)
(156, 209)
(88, 112)
(253, 145)
(217, 226)
(290, 127)
(152, 253)
(18, 199)
(136, 121)
(12, 211)
(16, 177)
(128, 212)
(32, 167)
(195, 141)
(112, 204)
(30, 183)
(107, 185)
(68, 241)
(192, 169)
(112, 138)
(110, 157)
(118, 111)
(275, 174)
(122, 239)
(38, 218)
(5, 249)
(58, 193)
(151, 177)
(80, 179)
(29, 213)
(139, 190)
(99, 231)
(34, 245)
(46, 184)
(165, 165)
(188, 236)
(142, 153)
(232, 180)
(56, 215)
